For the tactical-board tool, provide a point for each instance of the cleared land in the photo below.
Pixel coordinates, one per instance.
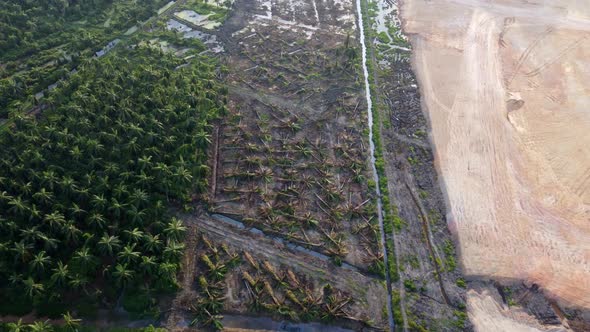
(291, 156)
(505, 84)
(289, 159)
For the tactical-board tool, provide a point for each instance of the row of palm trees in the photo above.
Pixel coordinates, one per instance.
(69, 324)
(84, 190)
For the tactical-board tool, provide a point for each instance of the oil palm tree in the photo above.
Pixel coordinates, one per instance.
(18, 207)
(44, 196)
(123, 275)
(108, 244)
(116, 207)
(32, 287)
(40, 262)
(55, 219)
(175, 230)
(60, 274)
(128, 254)
(84, 259)
(71, 233)
(71, 324)
(173, 250)
(78, 281)
(134, 235)
(17, 326)
(22, 250)
(152, 243)
(96, 220)
(100, 169)
(148, 265)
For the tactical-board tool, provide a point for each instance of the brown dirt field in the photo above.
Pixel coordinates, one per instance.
(505, 85)
(487, 314)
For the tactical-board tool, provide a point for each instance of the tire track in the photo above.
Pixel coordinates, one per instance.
(280, 254)
(524, 56)
(557, 58)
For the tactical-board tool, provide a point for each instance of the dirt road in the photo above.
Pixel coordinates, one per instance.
(505, 85)
(369, 296)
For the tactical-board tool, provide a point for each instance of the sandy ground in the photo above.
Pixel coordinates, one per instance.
(487, 314)
(506, 85)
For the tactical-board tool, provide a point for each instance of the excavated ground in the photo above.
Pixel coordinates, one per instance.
(505, 87)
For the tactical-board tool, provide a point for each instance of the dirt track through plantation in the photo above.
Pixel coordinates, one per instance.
(261, 246)
(505, 85)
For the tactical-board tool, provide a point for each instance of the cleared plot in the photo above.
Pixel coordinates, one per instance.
(291, 156)
(505, 86)
(237, 272)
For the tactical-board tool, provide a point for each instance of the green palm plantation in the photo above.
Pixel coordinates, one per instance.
(85, 189)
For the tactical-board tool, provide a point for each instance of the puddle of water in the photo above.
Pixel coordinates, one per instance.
(165, 8)
(383, 15)
(230, 221)
(256, 231)
(175, 25)
(197, 19)
(187, 32)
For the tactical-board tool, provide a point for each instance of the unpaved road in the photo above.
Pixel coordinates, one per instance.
(367, 291)
(263, 247)
(506, 85)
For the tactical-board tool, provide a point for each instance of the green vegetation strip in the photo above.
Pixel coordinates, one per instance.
(84, 191)
(70, 324)
(391, 220)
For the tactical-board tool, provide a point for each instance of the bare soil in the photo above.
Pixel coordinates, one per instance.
(504, 84)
